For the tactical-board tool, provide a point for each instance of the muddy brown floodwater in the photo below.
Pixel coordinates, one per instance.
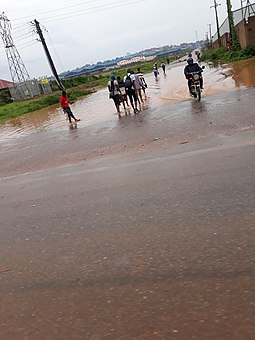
(167, 89)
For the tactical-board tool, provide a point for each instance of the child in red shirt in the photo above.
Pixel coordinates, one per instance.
(66, 108)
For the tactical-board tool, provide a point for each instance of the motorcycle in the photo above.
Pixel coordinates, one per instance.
(195, 87)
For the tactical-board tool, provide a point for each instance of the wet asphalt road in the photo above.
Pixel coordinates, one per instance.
(132, 238)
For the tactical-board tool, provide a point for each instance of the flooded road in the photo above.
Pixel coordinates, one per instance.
(139, 228)
(43, 139)
(169, 89)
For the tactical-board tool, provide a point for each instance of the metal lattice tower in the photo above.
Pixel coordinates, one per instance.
(18, 70)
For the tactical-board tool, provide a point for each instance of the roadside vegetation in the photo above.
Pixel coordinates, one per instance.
(15, 109)
(222, 55)
(77, 87)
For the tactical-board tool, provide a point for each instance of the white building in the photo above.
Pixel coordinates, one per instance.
(135, 60)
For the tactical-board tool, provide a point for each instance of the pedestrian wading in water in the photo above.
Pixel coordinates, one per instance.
(123, 95)
(130, 89)
(66, 108)
(114, 93)
(142, 80)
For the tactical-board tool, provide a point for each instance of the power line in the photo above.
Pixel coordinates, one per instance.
(60, 9)
(27, 45)
(118, 3)
(97, 9)
(20, 36)
(55, 51)
(17, 30)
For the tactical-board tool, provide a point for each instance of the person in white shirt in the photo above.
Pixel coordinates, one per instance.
(142, 80)
(138, 88)
(123, 95)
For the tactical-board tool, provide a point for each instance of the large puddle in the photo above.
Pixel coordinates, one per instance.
(243, 73)
(166, 89)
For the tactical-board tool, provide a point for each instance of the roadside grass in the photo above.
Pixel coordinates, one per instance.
(77, 87)
(221, 55)
(16, 109)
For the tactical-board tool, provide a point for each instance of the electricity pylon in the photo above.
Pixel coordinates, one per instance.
(18, 70)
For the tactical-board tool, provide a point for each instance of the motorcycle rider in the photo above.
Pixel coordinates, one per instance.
(193, 67)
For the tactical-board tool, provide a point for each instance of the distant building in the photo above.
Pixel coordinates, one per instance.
(5, 84)
(135, 60)
(25, 90)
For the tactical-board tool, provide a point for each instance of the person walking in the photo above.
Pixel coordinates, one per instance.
(155, 71)
(142, 80)
(163, 65)
(123, 95)
(114, 93)
(66, 108)
(138, 88)
(130, 90)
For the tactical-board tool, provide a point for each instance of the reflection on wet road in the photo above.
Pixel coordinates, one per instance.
(97, 107)
(135, 228)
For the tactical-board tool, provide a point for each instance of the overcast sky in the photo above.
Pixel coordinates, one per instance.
(83, 32)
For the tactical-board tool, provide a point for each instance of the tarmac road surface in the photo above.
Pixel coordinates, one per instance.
(147, 233)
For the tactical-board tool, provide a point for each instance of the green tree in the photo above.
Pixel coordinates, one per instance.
(234, 42)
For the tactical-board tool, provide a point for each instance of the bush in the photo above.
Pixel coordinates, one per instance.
(5, 97)
(222, 55)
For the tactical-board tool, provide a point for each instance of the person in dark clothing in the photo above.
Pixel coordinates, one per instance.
(163, 65)
(130, 89)
(114, 93)
(155, 71)
(190, 68)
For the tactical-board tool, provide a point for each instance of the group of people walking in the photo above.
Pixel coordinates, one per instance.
(156, 71)
(127, 91)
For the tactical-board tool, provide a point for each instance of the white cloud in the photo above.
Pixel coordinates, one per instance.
(76, 37)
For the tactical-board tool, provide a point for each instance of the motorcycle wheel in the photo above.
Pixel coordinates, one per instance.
(198, 94)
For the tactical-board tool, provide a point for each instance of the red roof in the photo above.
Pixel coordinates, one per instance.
(4, 84)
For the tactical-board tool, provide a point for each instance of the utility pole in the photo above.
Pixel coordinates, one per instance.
(54, 71)
(217, 21)
(210, 35)
(234, 42)
(207, 40)
(19, 73)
